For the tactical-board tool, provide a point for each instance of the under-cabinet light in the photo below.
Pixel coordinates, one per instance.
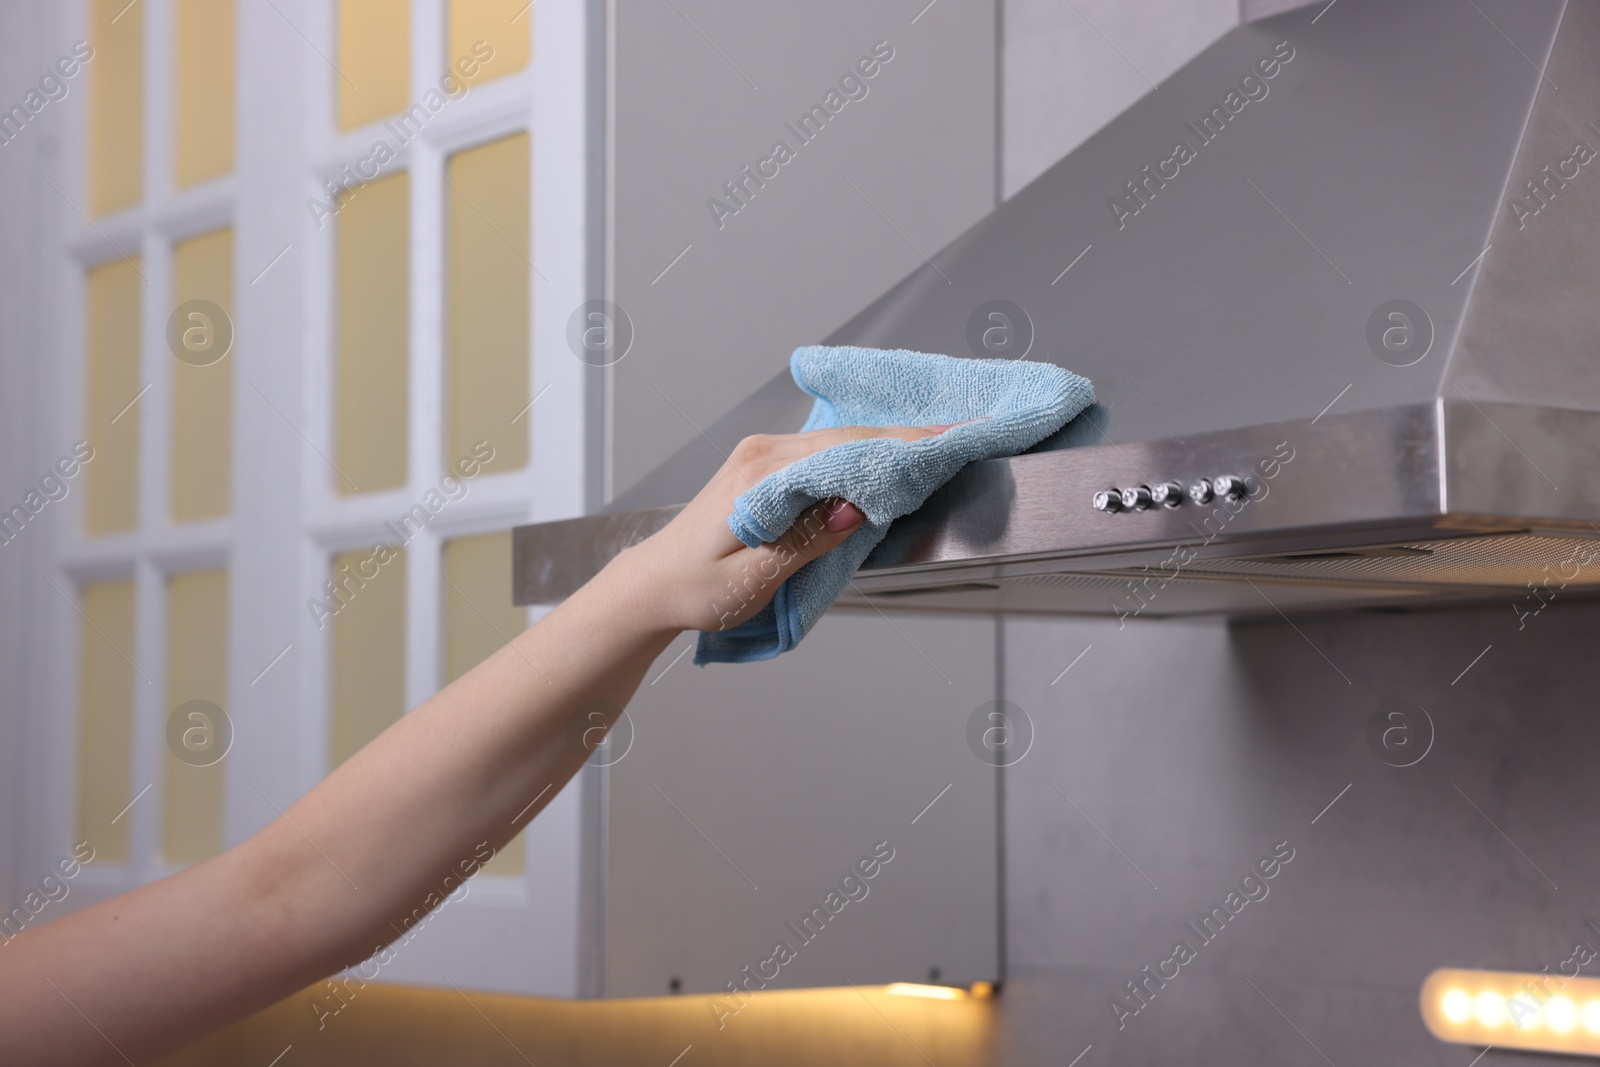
(1540, 1011)
(932, 992)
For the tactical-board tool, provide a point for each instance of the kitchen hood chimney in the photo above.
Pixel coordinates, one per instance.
(1337, 284)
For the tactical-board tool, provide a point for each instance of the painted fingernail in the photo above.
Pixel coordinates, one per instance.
(841, 516)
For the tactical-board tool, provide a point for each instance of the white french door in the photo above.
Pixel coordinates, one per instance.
(189, 671)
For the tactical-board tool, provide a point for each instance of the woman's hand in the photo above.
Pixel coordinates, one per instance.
(694, 574)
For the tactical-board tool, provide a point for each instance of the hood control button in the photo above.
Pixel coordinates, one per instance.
(1108, 500)
(1167, 494)
(1137, 498)
(1230, 487)
(1200, 491)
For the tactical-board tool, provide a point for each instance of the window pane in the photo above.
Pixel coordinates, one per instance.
(373, 289)
(197, 670)
(489, 38)
(204, 89)
(111, 501)
(486, 379)
(369, 645)
(105, 717)
(374, 72)
(202, 381)
(478, 618)
(116, 105)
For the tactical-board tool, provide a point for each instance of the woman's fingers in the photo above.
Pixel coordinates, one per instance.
(697, 575)
(819, 529)
(771, 453)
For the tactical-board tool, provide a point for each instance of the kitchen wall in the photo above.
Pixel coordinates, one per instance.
(1068, 69)
(1173, 756)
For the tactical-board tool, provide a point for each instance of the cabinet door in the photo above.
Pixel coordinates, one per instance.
(771, 178)
(783, 775)
(750, 793)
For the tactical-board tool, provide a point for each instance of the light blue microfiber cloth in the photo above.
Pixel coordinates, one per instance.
(1002, 407)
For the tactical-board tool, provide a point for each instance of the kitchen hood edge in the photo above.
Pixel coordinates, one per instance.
(1341, 485)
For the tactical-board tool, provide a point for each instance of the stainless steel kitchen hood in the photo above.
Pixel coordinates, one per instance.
(1345, 264)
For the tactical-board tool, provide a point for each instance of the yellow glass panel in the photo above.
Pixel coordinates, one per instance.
(489, 38)
(105, 718)
(478, 618)
(202, 392)
(373, 286)
(116, 105)
(204, 90)
(197, 670)
(374, 62)
(369, 646)
(486, 332)
(111, 500)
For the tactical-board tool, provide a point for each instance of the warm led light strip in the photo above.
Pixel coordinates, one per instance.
(1512, 1009)
(978, 991)
(931, 992)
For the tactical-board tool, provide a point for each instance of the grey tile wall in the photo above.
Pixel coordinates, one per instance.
(1191, 750)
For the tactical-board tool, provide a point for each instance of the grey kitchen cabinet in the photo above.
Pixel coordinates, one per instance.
(749, 792)
(893, 175)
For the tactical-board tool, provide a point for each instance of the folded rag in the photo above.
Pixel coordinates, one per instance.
(1001, 407)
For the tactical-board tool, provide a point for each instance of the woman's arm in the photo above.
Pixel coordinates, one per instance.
(348, 865)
